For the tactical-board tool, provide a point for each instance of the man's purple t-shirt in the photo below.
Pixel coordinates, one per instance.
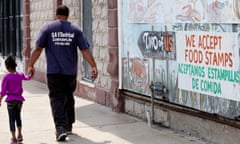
(12, 86)
(61, 40)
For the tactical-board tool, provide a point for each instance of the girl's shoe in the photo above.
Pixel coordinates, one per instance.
(13, 141)
(20, 138)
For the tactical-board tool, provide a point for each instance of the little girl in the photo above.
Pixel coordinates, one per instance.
(12, 88)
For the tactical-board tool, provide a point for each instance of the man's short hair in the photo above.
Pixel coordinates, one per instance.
(62, 10)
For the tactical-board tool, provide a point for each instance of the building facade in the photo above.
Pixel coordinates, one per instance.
(96, 27)
(11, 32)
(170, 59)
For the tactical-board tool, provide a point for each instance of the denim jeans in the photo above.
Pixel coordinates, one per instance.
(14, 112)
(61, 88)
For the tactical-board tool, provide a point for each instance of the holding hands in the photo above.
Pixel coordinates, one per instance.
(31, 71)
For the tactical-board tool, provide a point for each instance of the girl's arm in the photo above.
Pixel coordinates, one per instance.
(26, 77)
(3, 89)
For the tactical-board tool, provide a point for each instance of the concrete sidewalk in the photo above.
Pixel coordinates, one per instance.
(95, 124)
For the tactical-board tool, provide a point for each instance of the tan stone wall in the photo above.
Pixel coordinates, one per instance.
(100, 41)
(100, 37)
(74, 15)
(41, 12)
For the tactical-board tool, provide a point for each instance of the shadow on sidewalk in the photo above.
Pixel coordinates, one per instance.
(105, 124)
(76, 139)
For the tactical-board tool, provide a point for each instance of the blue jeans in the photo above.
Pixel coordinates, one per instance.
(14, 112)
(61, 88)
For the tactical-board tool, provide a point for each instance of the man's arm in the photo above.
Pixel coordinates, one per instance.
(0, 100)
(34, 57)
(89, 58)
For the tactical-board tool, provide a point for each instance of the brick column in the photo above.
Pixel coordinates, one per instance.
(26, 32)
(117, 100)
(56, 3)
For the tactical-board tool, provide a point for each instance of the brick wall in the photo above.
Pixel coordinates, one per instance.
(100, 42)
(100, 93)
(105, 46)
(100, 37)
(74, 15)
(41, 12)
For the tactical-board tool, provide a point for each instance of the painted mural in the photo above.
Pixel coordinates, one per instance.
(161, 48)
(175, 11)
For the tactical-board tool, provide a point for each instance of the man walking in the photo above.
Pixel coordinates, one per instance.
(61, 40)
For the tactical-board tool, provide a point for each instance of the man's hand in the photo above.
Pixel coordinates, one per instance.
(31, 71)
(89, 58)
(35, 55)
(94, 73)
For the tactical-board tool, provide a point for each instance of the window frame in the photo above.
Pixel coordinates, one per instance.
(11, 29)
(86, 23)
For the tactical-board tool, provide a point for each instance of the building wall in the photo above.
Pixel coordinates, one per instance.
(103, 89)
(100, 42)
(194, 113)
(41, 12)
(183, 121)
(99, 92)
(100, 37)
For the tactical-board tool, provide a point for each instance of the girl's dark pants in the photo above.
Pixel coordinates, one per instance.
(14, 111)
(61, 88)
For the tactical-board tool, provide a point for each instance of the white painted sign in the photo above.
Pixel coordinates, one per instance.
(208, 63)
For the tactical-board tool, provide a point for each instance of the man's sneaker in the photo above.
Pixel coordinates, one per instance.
(69, 130)
(69, 133)
(61, 134)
